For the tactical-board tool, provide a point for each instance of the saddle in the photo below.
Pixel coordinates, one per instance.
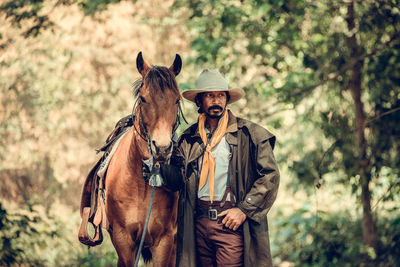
(93, 194)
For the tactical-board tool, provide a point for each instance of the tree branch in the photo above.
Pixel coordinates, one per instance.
(333, 75)
(387, 191)
(333, 145)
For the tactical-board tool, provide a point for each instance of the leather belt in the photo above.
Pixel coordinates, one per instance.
(211, 210)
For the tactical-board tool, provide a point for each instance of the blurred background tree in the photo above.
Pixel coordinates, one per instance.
(327, 70)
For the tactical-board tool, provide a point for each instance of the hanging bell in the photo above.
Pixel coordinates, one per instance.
(156, 178)
(147, 166)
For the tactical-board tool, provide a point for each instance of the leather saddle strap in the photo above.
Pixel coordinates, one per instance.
(100, 217)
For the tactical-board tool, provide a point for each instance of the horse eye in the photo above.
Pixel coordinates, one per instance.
(177, 101)
(142, 99)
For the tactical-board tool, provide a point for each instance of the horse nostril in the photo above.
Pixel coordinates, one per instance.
(155, 146)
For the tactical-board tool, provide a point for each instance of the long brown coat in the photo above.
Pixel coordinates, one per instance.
(254, 179)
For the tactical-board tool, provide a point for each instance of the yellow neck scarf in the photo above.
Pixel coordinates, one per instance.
(208, 167)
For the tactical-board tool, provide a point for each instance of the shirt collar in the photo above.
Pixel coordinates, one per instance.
(232, 128)
(232, 124)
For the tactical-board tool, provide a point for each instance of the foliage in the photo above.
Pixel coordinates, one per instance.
(23, 235)
(65, 78)
(95, 258)
(30, 237)
(36, 15)
(21, 11)
(311, 238)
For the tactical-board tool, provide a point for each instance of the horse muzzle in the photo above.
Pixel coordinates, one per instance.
(161, 153)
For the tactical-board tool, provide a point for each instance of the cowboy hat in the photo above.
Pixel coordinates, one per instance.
(212, 81)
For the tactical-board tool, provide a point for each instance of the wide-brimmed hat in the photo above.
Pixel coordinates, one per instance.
(212, 81)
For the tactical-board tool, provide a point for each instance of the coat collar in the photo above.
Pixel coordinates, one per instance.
(232, 123)
(231, 131)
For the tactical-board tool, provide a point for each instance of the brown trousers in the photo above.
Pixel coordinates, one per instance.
(217, 245)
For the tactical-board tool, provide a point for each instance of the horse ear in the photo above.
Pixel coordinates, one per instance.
(141, 65)
(177, 65)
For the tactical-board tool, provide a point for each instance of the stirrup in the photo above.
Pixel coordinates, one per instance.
(83, 235)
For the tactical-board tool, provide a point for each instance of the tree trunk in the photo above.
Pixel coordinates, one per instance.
(368, 223)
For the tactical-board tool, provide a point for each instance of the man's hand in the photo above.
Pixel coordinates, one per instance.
(233, 218)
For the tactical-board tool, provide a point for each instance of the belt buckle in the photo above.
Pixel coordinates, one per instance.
(212, 214)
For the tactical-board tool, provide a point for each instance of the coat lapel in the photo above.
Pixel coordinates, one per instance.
(231, 130)
(197, 148)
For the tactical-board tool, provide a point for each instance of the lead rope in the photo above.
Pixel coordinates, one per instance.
(145, 226)
(155, 172)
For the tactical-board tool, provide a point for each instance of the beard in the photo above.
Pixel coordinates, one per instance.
(215, 116)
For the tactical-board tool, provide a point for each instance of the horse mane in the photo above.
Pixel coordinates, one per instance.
(158, 78)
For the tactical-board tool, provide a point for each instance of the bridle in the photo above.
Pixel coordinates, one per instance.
(146, 136)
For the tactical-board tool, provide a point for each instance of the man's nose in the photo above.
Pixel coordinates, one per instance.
(216, 100)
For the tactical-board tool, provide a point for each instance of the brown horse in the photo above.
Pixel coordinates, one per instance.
(127, 193)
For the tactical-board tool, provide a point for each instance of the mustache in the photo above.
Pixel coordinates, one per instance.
(215, 107)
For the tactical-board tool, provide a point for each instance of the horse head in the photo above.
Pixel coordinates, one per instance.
(159, 105)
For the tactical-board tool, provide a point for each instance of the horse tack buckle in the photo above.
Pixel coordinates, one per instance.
(212, 214)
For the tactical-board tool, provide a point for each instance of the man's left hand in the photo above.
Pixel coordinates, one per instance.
(233, 218)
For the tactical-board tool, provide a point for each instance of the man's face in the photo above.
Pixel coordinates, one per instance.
(214, 103)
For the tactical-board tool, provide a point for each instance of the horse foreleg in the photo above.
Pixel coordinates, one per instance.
(164, 254)
(124, 246)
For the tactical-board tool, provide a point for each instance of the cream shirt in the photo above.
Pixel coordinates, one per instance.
(222, 154)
